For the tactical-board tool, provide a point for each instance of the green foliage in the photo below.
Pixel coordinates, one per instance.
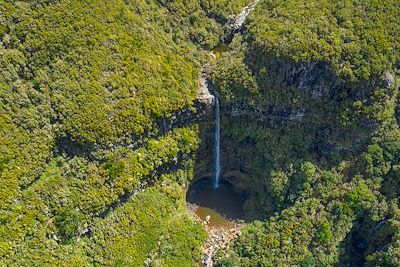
(69, 223)
(310, 99)
(310, 232)
(381, 162)
(358, 38)
(279, 184)
(294, 93)
(191, 19)
(85, 84)
(148, 224)
(83, 87)
(325, 233)
(234, 80)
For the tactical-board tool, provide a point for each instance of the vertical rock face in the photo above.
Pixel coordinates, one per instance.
(204, 164)
(206, 100)
(307, 116)
(203, 94)
(311, 96)
(388, 79)
(294, 112)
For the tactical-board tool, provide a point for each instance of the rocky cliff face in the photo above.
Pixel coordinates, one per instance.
(315, 96)
(310, 95)
(277, 112)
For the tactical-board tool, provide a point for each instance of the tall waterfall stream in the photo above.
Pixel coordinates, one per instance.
(213, 199)
(217, 144)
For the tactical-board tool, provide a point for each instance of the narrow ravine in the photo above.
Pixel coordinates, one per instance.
(221, 231)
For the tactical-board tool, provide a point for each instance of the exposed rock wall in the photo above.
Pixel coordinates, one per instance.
(310, 95)
(292, 112)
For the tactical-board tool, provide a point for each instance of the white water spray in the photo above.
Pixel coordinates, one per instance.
(217, 144)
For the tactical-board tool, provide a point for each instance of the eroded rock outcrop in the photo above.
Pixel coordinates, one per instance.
(203, 94)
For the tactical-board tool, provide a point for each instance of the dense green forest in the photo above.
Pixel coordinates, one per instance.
(310, 97)
(95, 160)
(83, 85)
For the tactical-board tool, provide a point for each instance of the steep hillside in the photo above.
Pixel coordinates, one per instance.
(101, 133)
(89, 93)
(309, 125)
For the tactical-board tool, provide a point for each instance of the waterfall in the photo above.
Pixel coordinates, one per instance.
(217, 143)
(203, 94)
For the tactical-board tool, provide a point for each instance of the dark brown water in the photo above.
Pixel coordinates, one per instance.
(222, 204)
(219, 49)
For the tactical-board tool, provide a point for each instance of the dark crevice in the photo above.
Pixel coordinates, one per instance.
(364, 239)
